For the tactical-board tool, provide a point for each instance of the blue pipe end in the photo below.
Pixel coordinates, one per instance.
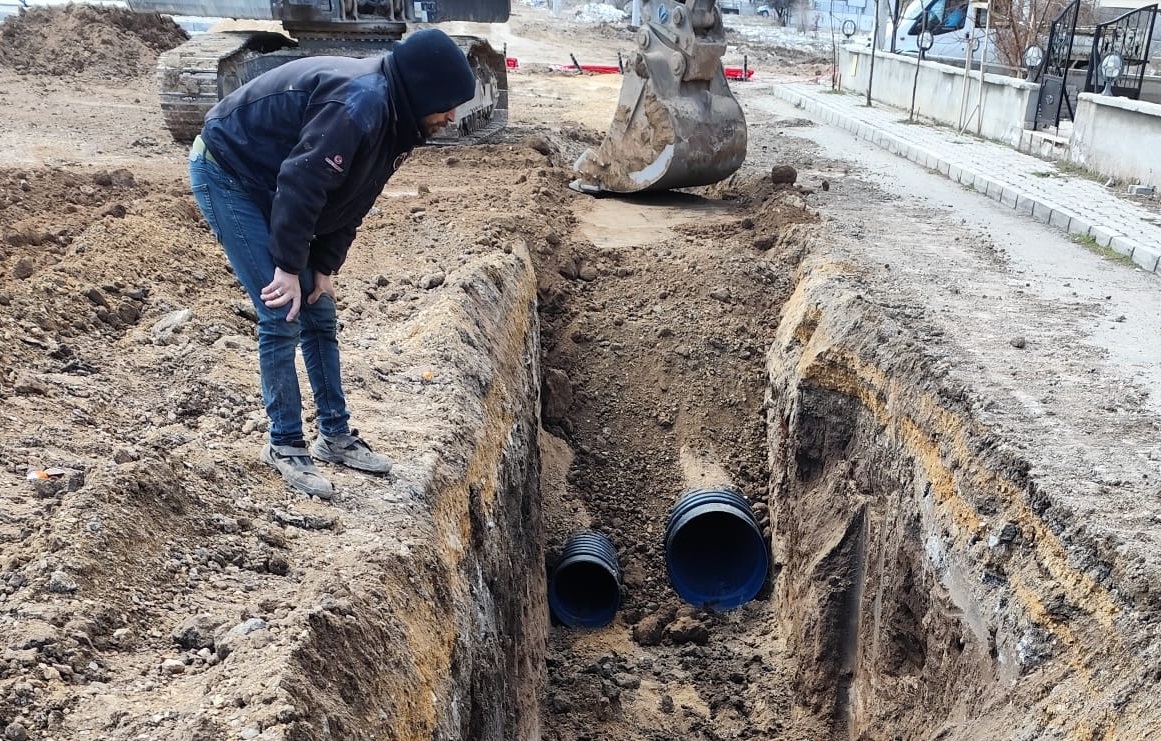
(584, 590)
(715, 554)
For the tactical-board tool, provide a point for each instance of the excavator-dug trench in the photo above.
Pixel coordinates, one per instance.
(676, 124)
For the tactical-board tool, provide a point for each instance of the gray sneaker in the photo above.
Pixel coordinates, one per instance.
(350, 450)
(296, 467)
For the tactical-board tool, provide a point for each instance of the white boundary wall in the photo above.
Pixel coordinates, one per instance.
(1117, 137)
(940, 96)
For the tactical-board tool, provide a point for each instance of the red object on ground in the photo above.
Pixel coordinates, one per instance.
(601, 69)
(735, 73)
(511, 63)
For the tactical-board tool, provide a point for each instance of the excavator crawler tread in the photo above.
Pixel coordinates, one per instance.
(188, 78)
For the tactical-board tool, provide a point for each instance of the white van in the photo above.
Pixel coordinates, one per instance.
(954, 25)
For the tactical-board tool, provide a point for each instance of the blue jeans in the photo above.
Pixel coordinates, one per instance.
(242, 230)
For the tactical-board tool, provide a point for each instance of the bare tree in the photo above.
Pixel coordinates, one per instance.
(801, 15)
(1022, 23)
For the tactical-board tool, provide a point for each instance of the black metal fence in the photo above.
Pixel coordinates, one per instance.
(1129, 35)
(1055, 101)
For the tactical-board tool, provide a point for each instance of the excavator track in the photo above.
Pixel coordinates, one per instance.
(190, 80)
(194, 76)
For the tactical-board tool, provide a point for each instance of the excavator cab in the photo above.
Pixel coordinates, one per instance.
(677, 124)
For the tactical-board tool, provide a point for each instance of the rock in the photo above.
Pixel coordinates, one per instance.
(94, 295)
(224, 523)
(650, 630)
(783, 175)
(1018, 342)
(432, 280)
(249, 733)
(306, 522)
(49, 488)
(251, 632)
(277, 564)
(569, 269)
(23, 268)
(686, 629)
(588, 273)
(124, 638)
(720, 294)
(172, 666)
(61, 583)
(558, 395)
(666, 704)
(246, 310)
(169, 325)
(29, 385)
(197, 631)
(126, 455)
(15, 732)
(626, 681)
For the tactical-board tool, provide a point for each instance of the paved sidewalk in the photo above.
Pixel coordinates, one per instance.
(1029, 185)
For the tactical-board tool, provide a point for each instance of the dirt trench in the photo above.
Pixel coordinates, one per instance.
(918, 582)
(535, 361)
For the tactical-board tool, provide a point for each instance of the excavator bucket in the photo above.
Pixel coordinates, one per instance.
(677, 124)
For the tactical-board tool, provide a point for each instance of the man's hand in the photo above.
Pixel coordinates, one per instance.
(323, 283)
(283, 290)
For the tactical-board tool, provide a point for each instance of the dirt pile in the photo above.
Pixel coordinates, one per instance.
(90, 42)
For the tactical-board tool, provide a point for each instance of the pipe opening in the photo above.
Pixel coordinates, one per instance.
(716, 557)
(584, 590)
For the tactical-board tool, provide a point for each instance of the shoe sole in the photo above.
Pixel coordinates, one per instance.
(322, 455)
(268, 458)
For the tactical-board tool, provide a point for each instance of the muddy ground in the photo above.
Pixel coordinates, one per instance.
(128, 361)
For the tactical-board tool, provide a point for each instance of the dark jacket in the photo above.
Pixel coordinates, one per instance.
(315, 140)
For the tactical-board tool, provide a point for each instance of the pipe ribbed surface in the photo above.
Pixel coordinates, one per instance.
(714, 550)
(584, 590)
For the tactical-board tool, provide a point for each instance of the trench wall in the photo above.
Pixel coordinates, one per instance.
(454, 650)
(923, 582)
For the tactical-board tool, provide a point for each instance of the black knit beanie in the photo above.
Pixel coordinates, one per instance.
(434, 71)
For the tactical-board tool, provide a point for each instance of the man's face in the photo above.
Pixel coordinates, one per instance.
(433, 122)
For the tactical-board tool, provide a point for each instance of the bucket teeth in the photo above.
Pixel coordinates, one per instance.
(677, 124)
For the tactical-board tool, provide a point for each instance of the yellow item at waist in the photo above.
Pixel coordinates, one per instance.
(199, 148)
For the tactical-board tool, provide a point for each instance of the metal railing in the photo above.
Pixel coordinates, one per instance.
(1129, 35)
(1054, 97)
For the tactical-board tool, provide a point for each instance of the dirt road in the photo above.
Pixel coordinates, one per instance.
(128, 361)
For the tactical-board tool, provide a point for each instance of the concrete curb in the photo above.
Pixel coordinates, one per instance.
(1009, 194)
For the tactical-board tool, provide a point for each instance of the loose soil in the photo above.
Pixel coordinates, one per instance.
(128, 362)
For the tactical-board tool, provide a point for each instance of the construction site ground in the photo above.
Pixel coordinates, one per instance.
(128, 362)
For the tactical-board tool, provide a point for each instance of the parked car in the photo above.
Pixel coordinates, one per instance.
(730, 6)
(778, 8)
